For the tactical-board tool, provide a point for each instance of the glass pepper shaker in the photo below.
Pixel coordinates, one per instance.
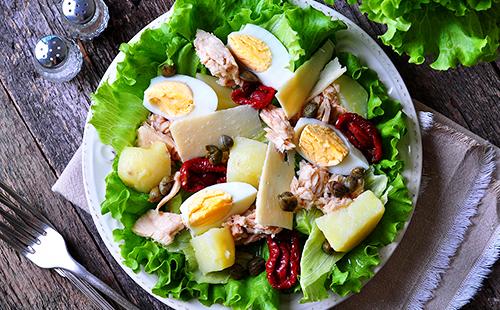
(57, 59)
(86, 18)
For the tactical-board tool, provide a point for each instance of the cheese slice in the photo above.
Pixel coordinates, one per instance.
(294, 93)
(223, 93)
(192, 134)
(276, 177)
(332, 71)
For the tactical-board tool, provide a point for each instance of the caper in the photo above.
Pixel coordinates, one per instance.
(154, 195)
(338, 189)
(168, 70)
(288, 201)
(256, 266)
(165, 185)
(358, 173)
(214, 154)
(351, 183)
(310, 109)
(243, 257)
(327, 248)
(248, 76)
(237, 272)
(225, 142)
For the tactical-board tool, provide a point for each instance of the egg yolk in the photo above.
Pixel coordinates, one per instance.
(209, 207)
(252, 52)
(322, 146)
(172, 98)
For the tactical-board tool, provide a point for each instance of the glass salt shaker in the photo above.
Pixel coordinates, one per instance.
(57, 59)
(86, 18)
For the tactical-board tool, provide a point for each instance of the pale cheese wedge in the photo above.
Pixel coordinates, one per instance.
(192, 134)
(332, 71)
(294, 93)
(276, 177)
(223, 93)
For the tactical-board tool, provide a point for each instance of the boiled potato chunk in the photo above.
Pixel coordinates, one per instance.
(246, 159)
(223, 93)
(345, 228)
(143, 168)
(214, 250)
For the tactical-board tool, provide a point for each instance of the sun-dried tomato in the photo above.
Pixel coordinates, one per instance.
(256, 95)
(282, 267)
(362, 134)
(198, 173)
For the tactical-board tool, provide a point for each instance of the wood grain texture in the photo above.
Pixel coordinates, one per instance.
(41, 125)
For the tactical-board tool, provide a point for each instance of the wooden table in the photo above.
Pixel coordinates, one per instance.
(41, 126)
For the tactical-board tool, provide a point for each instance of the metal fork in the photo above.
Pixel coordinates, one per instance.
(33, 236)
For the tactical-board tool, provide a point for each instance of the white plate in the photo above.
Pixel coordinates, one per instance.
(97, 157)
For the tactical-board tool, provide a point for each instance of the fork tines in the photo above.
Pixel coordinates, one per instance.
(25, 227)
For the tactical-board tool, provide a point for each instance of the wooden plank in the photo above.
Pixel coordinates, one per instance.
(55, 114)
(22, 284)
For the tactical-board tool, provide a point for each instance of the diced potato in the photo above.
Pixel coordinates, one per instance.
(277, 174)
(143, 168)
(246, 159)
(294, 93)
(192, 134)
(345, 228)
(214, 250)
(223, 93)
(353, 96)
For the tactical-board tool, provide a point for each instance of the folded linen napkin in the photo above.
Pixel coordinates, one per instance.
(453, 238)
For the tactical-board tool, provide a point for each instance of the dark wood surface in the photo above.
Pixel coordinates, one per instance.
(41, 125)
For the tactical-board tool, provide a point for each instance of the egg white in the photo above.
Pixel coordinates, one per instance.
(243, 196)
(354, 158)
(204, 97)
(278, 73)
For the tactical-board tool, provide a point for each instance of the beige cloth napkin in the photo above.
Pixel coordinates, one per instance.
(453, 238)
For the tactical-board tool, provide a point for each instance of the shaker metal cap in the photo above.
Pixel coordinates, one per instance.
(78, 12)
(51, 51)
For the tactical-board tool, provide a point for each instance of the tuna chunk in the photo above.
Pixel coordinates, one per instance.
(217, 58)
(245, 230)
(279, 132)
(159, 226)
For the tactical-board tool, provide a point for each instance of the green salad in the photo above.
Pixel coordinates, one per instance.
(253, 159)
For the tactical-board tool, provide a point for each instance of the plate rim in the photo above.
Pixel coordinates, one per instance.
(403, 91)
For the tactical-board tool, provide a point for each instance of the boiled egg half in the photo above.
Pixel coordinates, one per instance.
(262, 53)
(179, 96)
(209, 207)
(325, 146)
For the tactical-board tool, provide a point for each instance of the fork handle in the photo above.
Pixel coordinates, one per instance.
(86, 289)
(84, 274)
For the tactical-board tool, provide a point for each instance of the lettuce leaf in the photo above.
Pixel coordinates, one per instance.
(315, 266)
(125, 204)
(446, 33)
(377, 183)
(304, 220)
